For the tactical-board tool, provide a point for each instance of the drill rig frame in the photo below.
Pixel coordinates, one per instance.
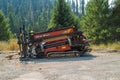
(57, 41)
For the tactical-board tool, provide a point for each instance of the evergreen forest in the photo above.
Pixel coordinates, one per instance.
(98, 19)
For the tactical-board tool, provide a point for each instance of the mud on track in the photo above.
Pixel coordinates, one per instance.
(98, 65)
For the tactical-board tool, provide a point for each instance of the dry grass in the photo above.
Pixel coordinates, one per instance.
(9, 45)
(12, 45)
(115, 46)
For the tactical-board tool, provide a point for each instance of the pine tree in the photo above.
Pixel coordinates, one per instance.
(83, 6)
(42, 22)
(28, 11)
(114, 21)
(62, 16)
(11, 15)
(94, 22)
(77, 8)
(73, 6)
(5, 32)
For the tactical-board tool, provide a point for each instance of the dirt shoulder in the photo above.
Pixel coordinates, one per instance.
(98, 65)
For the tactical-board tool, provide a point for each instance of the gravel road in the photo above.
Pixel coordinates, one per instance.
(98, 65)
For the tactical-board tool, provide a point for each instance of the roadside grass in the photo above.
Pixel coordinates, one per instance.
(10, 45)
(114, 46)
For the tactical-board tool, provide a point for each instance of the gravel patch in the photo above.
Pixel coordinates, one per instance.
(97, 65)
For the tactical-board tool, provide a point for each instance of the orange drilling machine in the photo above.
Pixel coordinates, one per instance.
(55, 41)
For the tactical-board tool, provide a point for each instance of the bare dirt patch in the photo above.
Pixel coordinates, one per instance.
(98, 65)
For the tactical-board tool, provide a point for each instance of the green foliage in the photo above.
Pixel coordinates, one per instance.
(43, 21)
(118, 30)
(62, 16)
(94, 22)
(5, 32)
(11, 16)
(35, 14)
(114, 21)
(101, 23)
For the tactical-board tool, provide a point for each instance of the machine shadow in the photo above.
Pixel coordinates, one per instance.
(62, 59)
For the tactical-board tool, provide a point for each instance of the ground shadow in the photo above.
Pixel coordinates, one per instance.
(61, 59)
